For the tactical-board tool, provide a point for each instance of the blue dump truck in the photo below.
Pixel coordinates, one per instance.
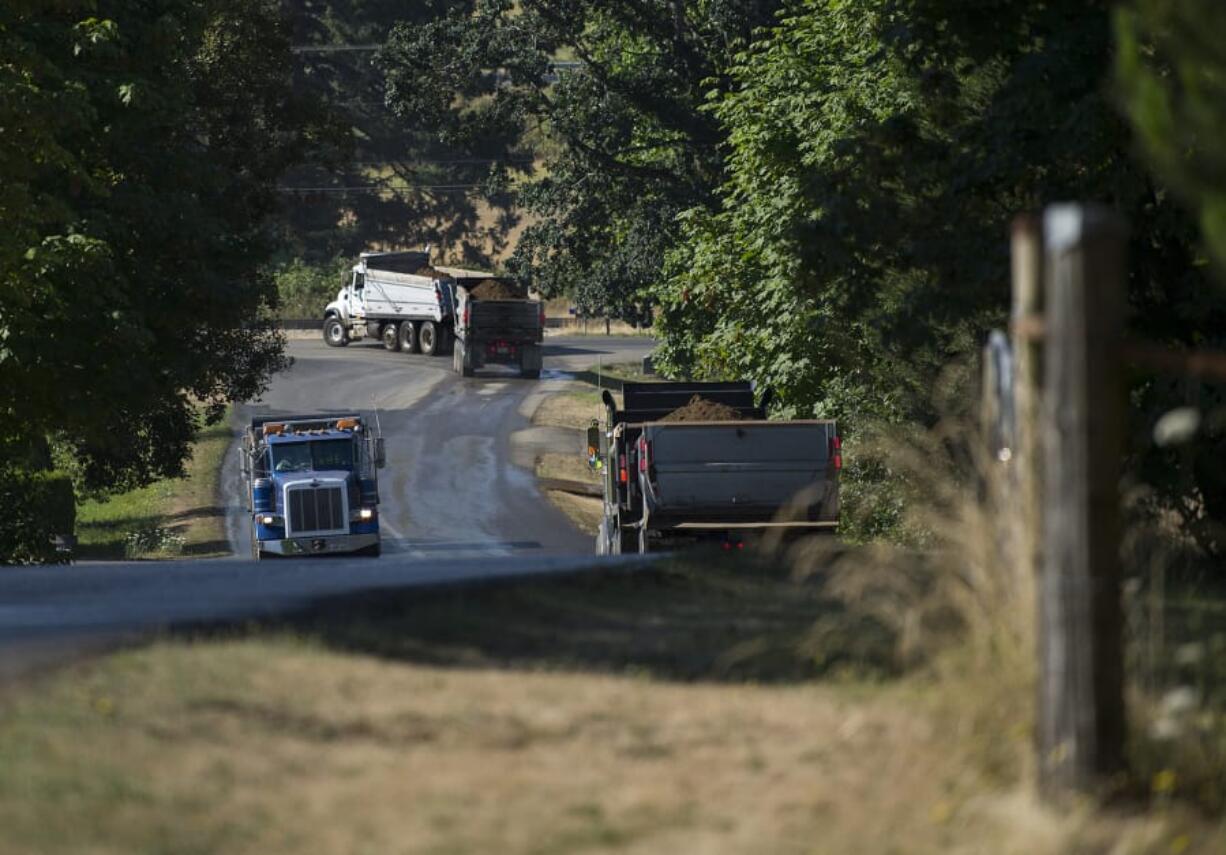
(312, 485)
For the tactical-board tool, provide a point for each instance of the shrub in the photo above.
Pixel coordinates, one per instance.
(304, 289)
(38, 505)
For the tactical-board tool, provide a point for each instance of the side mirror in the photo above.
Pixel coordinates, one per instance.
(593, 448)
(380, 453)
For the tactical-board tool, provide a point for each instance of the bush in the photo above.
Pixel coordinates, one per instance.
(304, 289)
(38, 505)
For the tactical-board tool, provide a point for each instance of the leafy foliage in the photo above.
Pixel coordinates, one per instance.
(627, 146)
(877, 153)
(304, 289)
(1172, 69)
(388, 183)
(138, 165)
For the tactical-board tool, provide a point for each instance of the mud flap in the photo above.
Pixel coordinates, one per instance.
(530, 360)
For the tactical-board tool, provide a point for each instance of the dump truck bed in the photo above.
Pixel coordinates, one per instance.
(518, 320)
(749, 472)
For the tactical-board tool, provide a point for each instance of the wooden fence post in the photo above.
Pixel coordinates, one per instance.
(1081, 706)
(1026, 253)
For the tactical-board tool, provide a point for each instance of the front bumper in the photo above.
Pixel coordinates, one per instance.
(336, 543)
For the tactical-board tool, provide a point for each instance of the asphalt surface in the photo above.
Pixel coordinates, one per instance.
(459, 504)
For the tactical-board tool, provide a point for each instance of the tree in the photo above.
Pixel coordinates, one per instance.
(1171, 71)
(877, 152)
(626, 147)
(139, 166)
(394, 184)
(1171, 66)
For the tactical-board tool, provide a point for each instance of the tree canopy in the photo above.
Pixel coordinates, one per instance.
(624, 144)
(138, 164)
(391, 184)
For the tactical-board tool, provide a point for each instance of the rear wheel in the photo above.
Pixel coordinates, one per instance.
(391, 337)
(428, 338)
(372, 551)
(335, 333)
(408, 337)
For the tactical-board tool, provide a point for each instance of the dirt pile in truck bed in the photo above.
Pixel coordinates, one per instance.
(699, 409)
(494, 289)
(430, 271)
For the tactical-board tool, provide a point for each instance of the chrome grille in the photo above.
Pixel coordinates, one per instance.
(316, 509)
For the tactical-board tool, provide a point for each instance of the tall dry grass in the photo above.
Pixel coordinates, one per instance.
(958, 594)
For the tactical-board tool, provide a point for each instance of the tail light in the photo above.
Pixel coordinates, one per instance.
(644, 454)
(465, 319)
(622, 474)
(836, 452)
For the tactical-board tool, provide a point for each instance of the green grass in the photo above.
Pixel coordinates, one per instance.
(172, 518)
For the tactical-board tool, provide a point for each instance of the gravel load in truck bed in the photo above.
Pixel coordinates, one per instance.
(494, 289)
(699, 409)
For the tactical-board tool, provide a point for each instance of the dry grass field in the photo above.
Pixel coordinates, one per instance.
(689, 709)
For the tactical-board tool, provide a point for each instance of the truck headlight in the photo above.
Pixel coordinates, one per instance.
(269, 519)
(366, 514)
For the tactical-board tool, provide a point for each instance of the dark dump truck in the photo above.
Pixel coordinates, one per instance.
(495, 324)
(672, 483)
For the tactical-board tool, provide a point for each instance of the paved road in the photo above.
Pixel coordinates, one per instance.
(459, 504)
(460, 451)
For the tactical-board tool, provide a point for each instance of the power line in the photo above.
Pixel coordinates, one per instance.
(556, 65)
(459, 161)
(379, 188)
(334, 48)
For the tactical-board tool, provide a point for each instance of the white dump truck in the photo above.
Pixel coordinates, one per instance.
(399, 299)
(396, 298)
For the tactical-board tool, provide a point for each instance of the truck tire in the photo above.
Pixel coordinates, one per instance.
(372, 551)
(408, 337)
(391, 337)
(446, 339)
(428, 338)
(335, 334)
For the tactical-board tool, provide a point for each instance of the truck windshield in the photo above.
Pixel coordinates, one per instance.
(313, 456)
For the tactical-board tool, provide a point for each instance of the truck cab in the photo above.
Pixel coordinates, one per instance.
(312, 485)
